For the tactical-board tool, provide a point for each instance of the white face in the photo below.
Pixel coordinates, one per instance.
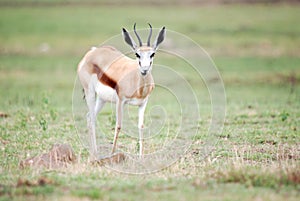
(145, 57)
(144, 53)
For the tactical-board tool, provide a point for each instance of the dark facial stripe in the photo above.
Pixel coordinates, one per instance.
(103, 78)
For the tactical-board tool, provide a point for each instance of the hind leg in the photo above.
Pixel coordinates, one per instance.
(94, 106)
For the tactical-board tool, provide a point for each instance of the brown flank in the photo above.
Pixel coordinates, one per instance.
(103, 78)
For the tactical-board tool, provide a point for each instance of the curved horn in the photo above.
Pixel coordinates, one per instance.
(150, 34)
(138, 37)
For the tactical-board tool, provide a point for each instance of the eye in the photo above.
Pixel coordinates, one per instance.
(137, 55)
(152, 55)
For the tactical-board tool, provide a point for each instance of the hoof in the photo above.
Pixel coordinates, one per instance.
(112, 159)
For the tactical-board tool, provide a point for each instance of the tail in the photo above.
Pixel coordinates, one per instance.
(93, 48)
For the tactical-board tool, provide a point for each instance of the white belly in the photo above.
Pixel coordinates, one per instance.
(105, 93)
(135, 101)
(108, 94)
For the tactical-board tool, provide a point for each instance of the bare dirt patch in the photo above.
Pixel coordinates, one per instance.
(60, 155)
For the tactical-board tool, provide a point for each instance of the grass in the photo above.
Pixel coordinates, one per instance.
(256, 50)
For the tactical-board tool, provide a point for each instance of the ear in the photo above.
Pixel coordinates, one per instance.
(160, 38)
(128, 39)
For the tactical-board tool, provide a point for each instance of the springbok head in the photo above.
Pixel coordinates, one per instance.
(144, 52)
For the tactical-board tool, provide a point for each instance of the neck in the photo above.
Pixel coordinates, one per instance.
(145, 84)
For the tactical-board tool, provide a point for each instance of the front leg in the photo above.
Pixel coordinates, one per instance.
(141, 126)
(119, 115)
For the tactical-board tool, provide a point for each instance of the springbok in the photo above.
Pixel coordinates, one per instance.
(107, 75)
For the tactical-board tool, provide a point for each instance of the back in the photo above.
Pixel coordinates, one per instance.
(109, 61)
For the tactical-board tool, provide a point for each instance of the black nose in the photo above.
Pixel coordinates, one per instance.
(144, 72)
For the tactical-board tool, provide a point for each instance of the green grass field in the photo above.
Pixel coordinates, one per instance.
(256, 49)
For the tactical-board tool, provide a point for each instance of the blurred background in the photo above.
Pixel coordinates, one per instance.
(255, 45)
(41, 42)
